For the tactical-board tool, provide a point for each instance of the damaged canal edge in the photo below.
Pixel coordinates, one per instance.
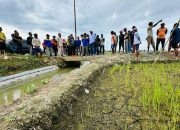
(41, 112)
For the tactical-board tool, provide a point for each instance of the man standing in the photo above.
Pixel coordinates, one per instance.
(113, 42)
(77, 46)
(150, 39)
(161, 33)
(121, 41)
(116, 41)
(102, 41)
(175, 39)
(129, 41)
(36, 43)
(72, 44)
(92, 39)
(137, 42)
(48, 45)
(85, 45)
(18, 41)
(126, 40)
(60, 45)
(132, 39)
(29, 42)
(2, 42)
(97, 45)
(54, 45)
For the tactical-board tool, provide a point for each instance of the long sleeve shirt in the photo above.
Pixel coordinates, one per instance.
(36, 42)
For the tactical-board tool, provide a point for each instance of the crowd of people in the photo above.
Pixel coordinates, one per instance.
(129, 41)
(84, 45)
(92, 44)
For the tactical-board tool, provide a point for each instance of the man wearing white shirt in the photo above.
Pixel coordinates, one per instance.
(36, 45)
(137, 42)
(92, 38)
(60, 45)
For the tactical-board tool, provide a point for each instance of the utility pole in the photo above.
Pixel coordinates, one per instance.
(75, 26)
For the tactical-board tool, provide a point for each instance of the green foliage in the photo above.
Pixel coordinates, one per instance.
(31, 89)
(9, 118)
(156, 88)
(44, 82)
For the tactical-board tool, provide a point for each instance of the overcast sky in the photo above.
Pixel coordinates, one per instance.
(101, 16)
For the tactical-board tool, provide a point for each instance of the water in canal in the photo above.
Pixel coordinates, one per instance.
(13, 93)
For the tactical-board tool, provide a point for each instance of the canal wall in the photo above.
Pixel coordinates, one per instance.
(15, 79)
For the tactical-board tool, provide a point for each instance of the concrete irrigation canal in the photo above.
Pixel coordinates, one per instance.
(111, 92)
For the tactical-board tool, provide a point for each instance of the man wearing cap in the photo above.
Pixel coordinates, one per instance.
(161, 33)
(150, 39)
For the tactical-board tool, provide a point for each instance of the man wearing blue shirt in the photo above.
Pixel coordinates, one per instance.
(48, 45)
(77, 46)
(85, 44)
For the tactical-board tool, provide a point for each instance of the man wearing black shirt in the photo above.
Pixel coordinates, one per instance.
(18, 41)
(121, 41)
(97, 45)
(29, 42)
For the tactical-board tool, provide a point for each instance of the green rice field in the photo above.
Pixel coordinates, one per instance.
(128, 97)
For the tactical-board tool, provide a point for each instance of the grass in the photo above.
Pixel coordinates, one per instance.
(19, 63)
(130, 97)
(158, 91)
(31, 89)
